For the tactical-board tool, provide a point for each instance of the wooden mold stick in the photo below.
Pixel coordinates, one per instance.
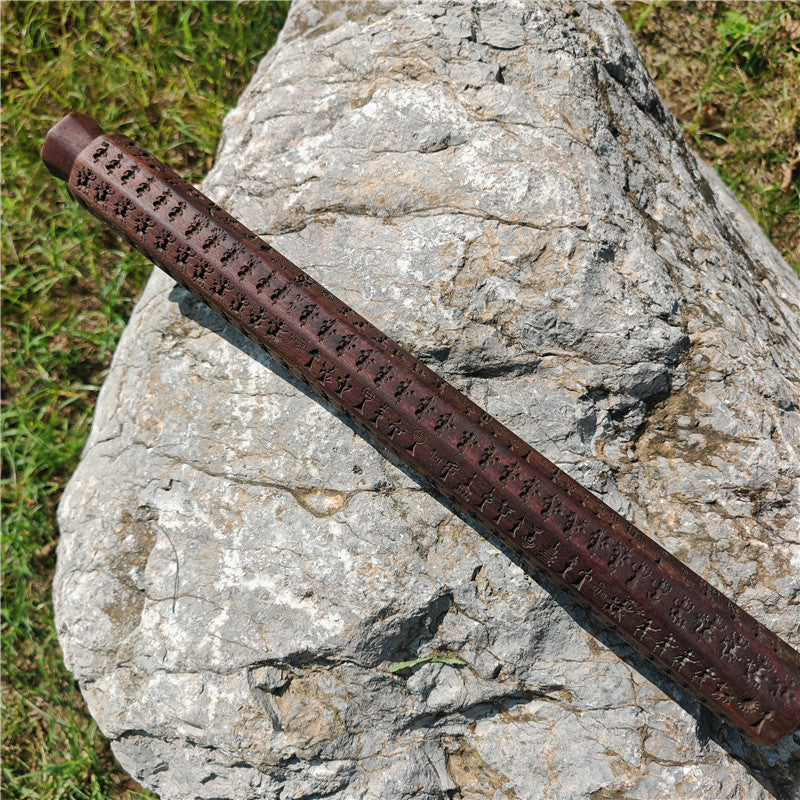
(720, 654)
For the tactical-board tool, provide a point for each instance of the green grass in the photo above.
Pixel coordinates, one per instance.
(164, 73)
(730, 72)
(415, 662)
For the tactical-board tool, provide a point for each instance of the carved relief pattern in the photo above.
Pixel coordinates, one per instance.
(678, 621)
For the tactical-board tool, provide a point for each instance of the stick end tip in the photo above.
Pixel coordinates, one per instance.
(65, 140)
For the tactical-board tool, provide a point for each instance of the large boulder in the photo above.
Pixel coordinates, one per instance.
(500, 188)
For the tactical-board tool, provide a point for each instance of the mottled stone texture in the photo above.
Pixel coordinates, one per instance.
(500, 188)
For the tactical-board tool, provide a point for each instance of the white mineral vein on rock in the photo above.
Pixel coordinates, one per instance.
(499, 187)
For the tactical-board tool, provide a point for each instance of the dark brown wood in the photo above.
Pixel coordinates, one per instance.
(65, 140)
(719, 653)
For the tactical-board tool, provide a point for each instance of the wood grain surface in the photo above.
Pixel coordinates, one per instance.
(701, 639)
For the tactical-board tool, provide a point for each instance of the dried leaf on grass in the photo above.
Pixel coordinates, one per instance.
(792, 27)
(791, 170)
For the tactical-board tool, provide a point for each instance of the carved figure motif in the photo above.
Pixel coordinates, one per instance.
(720, 654)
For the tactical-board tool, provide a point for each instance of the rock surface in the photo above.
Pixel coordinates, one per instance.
(500, 188)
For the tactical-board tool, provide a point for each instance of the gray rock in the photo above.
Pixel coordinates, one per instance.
(500, 188)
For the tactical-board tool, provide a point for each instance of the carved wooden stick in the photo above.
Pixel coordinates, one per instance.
(725, 658)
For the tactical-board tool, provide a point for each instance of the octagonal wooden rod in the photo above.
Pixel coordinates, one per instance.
(720, 654)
